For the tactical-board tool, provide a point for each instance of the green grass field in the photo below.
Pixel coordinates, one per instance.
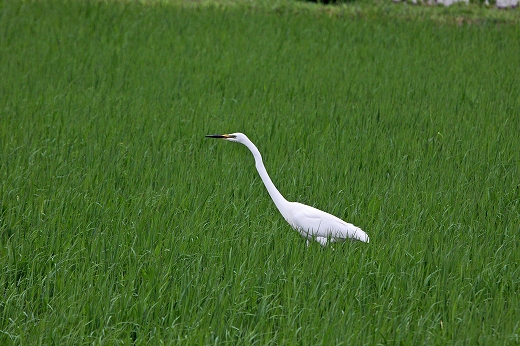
(120, 223)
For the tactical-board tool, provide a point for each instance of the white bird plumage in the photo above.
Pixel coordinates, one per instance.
(310, 222)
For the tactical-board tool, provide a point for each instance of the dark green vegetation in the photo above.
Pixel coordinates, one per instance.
(120, 222)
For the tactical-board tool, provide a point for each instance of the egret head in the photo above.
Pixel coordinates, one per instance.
(233, 137)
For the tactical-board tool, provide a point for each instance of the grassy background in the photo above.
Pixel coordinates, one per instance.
(476, 12)
(121, 223)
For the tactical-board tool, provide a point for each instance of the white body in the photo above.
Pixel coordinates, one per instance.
(322, 226)
(312, 223)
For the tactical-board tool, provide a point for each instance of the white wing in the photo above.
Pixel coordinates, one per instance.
(312, 222)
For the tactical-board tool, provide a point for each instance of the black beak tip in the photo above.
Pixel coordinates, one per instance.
(215, 136)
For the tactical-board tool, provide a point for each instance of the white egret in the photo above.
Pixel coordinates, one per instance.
(310, 222)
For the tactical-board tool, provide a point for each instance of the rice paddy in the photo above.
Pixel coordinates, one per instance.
(120, 223)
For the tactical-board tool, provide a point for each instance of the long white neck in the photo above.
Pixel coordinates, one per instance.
(276, 196)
